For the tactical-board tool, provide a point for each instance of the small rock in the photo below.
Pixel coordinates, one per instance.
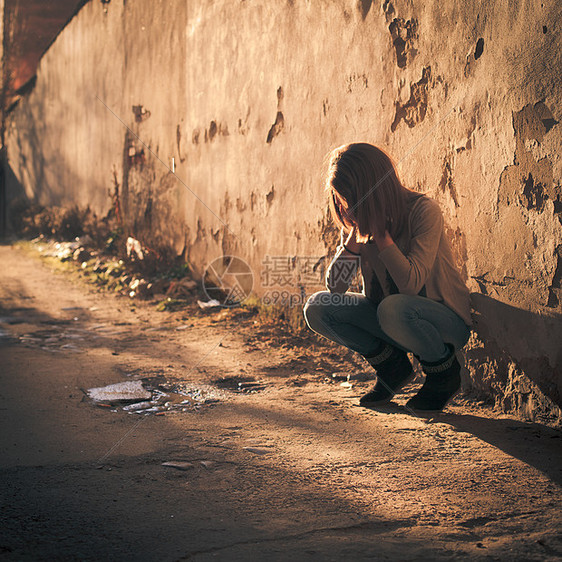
(257, 451)
(141, 288)
(179, 465)
(213, 303)
(251, 386)
(134, 249)
(71, 347)
(361, 377)
(138, 406)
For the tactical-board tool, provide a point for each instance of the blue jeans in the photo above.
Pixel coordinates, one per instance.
(414, 324)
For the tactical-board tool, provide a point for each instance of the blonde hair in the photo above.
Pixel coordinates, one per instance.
(365, 177)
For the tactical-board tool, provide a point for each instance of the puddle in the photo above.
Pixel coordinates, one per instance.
(11, 320)
(56, 339)
(6, 337)
(154, 395)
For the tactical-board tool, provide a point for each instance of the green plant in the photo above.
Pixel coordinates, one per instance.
(170, 304)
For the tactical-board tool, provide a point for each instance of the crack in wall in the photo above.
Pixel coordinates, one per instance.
(447, 184)
(276, 128)
(414, 110)
(179, 143)
(279, 124)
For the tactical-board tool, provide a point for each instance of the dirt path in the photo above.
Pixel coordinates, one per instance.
(293, 471)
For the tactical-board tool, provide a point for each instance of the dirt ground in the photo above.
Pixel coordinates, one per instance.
(291, 469)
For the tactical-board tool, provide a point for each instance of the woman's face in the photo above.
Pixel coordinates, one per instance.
(343, 208)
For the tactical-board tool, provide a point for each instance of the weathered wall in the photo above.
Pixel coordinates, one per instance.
(248, 97)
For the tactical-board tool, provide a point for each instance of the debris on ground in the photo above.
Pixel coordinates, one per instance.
(5, 335)
(55, 339)
(134, 249)
(181, 289)
(150, 396)
(138, 406)
(135, 271)
(128, 391)
(213, 303)
(359, 377)
(257, 450)
(140, 288)
(240, 383)
(179, 465)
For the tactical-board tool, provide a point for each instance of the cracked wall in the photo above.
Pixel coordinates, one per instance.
(215, 120)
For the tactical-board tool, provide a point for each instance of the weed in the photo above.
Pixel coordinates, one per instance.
(291, 316)
(170, 304)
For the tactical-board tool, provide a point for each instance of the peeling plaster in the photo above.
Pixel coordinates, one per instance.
(414, 110)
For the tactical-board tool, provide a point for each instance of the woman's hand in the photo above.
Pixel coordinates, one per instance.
(355, 240)
(359, 238)
(383, 241)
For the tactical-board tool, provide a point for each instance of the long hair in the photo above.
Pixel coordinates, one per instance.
(365, 177)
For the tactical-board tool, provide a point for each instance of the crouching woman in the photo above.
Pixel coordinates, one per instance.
(414, 298)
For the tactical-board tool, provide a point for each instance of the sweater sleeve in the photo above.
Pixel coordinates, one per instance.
(410, 271)
(342, 269)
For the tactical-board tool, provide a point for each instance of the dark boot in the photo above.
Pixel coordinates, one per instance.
(442, 383)
(393, 369)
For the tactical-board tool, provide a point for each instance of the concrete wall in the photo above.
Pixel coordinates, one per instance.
(249, 96)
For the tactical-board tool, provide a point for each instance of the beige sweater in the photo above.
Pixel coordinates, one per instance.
(419, 262)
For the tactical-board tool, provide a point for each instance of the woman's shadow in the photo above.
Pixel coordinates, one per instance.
(535, 444)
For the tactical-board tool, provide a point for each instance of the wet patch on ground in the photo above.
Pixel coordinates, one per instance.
(239, 383)
(154, 396)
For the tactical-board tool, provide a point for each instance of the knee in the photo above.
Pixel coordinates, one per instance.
(315, 309)
(393, 308)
